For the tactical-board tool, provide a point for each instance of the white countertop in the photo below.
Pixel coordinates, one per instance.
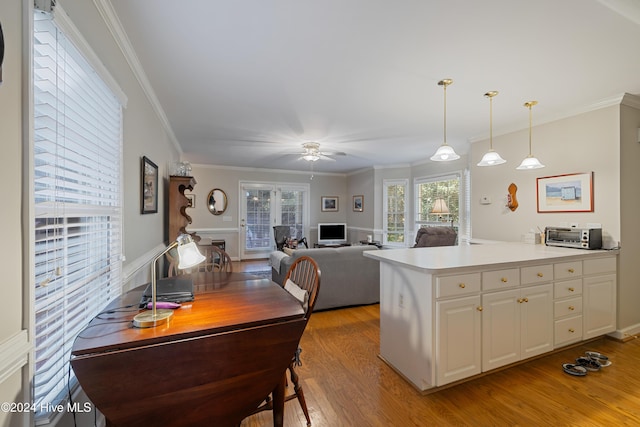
(444, 258)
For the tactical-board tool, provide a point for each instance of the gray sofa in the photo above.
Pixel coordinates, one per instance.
(347, 276)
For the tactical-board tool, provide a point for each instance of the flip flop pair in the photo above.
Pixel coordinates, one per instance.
(600, 358)
(576, 370)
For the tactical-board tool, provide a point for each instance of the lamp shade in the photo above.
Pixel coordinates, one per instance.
(440, 207)
(530, 162)
(491, 158)
(189, 255)
(444, 153)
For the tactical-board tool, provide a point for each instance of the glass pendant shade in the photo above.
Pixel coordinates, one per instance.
(491, 157)
(445, 153)
(530, 162)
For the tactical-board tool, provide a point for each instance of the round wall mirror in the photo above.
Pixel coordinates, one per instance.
(217, 201)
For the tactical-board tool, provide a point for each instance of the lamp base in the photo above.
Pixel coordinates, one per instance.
(148, 320)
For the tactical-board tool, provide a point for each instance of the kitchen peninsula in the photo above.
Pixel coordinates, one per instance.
(449, 313)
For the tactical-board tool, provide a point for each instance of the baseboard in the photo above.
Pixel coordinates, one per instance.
(627, 334)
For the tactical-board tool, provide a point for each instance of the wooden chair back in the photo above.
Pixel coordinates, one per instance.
(221, 261)
(305, 273)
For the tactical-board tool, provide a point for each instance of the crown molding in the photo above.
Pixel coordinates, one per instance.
(105, 8)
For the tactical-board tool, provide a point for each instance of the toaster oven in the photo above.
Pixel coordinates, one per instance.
(570, 237)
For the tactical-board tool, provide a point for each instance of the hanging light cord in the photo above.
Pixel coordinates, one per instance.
(529, 105)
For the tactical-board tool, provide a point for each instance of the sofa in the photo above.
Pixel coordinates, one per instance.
(347, 276)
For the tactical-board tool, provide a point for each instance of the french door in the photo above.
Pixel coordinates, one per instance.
(264, 205)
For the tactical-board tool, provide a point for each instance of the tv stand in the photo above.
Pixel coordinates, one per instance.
(335, 245)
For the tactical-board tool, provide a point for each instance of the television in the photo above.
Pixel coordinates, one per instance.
(332, 233)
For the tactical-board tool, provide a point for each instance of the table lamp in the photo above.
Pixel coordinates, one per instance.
(188, 256)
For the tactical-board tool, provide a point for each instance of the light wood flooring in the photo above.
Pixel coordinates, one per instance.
(347, 384)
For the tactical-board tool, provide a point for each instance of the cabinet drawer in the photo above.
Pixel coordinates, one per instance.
(567, 270)
(500, 279)
(567, 307)
(600, 265)
(536, 274)
(567, 331)
(567, 288)
(461, 284)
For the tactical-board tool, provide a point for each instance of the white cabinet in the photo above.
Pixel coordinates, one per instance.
(516, 324)
(458, 345)
(599, 305)
(444, 319)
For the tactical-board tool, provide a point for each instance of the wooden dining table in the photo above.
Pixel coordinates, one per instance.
(212, 364)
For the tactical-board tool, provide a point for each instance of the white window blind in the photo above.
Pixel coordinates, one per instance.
(77, 158)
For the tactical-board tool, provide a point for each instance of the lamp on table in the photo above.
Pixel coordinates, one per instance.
(188, 256)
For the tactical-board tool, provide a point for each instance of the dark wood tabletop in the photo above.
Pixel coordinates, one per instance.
(221, 353)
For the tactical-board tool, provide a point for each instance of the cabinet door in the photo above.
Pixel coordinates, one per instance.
(458, 353)
(599, 305)
(536, 314)
(500, 329)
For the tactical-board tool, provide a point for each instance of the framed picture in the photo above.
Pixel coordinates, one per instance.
(566, 193)
(149, 191)
(329, 203)
(192, 200)
(358, 203)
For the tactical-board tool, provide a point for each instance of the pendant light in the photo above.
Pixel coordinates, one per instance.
(530, 162)
(491, 158)
(445, 153)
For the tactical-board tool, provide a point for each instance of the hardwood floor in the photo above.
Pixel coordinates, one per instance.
(346, 384)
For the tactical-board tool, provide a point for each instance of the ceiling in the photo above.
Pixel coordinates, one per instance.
(246, 83)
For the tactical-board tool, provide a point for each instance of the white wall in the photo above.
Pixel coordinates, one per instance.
(629, 267)
(14, 347)
(585, 143)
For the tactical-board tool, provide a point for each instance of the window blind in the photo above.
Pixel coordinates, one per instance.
(77, 158)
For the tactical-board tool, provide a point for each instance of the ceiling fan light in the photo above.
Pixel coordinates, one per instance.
(311, 157)
(491, 158)
(444, 153)
(530, 162)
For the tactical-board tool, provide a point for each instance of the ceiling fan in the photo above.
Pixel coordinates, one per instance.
(311, 153)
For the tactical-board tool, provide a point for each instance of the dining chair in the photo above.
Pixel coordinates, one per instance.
(303, 282)
(221, 261)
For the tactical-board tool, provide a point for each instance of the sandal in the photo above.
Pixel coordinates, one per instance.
(600, 358)
(589, 364)
(576, 370)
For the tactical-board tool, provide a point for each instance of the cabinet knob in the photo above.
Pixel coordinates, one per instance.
(525, 299)
(571, 289)
(479, 308)
(571, 308)
(571, 270)
(572, 330)
(462, 285)
(504, 280)
(520, 300)
(540, 275)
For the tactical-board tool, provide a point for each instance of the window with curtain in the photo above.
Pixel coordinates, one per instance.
(437, 201)
(77, 202)
(395, 211)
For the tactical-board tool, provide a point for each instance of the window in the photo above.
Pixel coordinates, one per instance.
(77, 202)
(437, 201)
(395, 211)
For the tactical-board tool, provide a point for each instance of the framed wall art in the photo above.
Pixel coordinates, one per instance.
(566, 193)
(358, 203)
(329, 203)
(149, 190)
